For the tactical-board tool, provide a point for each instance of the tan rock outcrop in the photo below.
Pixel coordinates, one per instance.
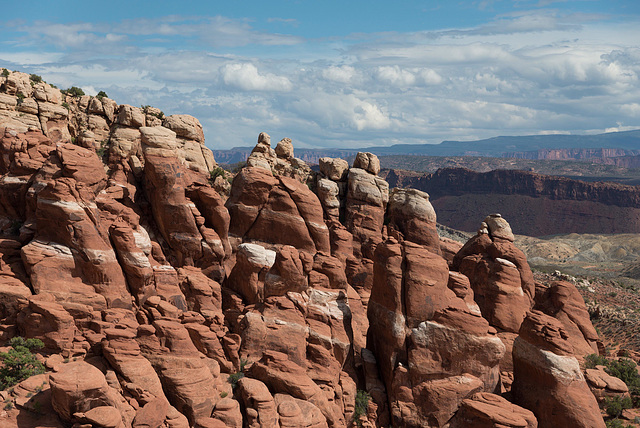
(412, 214)
(279, 161)
(367, 197)
(367, 161)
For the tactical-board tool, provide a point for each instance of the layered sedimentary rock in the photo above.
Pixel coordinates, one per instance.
(535, 204)
(563, 301)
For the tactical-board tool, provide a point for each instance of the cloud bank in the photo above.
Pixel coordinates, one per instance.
(535, 71)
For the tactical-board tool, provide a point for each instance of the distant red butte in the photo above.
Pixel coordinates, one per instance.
(536, 205)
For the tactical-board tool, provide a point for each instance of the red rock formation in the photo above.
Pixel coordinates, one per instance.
(411, 213)
(275, 308)
(563, 302)
(81, 387)
(367, 197)
(547, 377)
(276, 210)
(500, 276)
(414, 321)
(484, 410)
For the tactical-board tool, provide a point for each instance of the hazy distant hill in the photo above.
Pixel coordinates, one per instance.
(502, 146)
(523, 146)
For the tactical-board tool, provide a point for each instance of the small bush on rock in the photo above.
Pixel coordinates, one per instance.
(617, 423)
(624, 369)
(362, 403)
(593, 360)
(104, 147)
(101, 95)
(74, 91)
(235, 377)
(19, 362)
(215, 173)
(615, 405)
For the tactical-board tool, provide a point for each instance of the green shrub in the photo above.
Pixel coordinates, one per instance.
(235, 377)
(35, 78)
(74, 91)
(19, 362)
(14, 229)
(37, 408)
(237, 167)
(622, 368)
(146, 108)
(616, 423)
(625, 370)
(101, 95)
(104, 145)
(65, 105)
(615, 405)
(5, 72)
(215, 173)
(20, 96)
(593, 360)
(362, 403)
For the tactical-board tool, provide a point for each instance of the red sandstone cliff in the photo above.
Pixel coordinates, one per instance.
(535, 204)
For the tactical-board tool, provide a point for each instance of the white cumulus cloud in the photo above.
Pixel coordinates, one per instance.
(245, 76)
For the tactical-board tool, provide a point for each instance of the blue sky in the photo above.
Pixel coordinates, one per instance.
(345, 73)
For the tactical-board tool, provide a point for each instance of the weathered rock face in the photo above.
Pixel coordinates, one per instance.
(277, 210)
(500, 276)
(415, 320)
(97, 123)
(484, 410)
(411, 212)
(80, 387)
(367, 197)
(280, 160)
(547, 377)
(563, 302)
